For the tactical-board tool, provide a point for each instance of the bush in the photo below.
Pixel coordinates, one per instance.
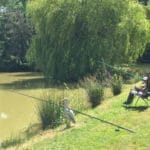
(50, 113)
(136, 78)
(95, 93)
(11, 141)
(116, 84)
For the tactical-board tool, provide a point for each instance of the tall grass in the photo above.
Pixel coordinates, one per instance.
(11, 141)
(116, 84)
(95, 92)
(50, 113)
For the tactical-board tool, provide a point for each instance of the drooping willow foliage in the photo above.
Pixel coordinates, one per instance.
(73, 36)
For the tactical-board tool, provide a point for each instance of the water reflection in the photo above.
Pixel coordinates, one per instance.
(17, 111)
(3, 115)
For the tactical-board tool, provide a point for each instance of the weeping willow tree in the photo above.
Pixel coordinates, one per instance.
(73, 36)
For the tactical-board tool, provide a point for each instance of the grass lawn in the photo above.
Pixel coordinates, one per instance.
(90, 134)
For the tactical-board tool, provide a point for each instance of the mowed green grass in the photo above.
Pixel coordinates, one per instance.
(90, 134)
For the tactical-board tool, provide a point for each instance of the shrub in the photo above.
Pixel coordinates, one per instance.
(11, 141)
(50, 113)
(129, 74)
(95, 93)
(116, 84)
(136, 78)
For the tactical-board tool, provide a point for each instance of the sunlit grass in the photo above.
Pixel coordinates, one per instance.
(95, 135)
(91, 133)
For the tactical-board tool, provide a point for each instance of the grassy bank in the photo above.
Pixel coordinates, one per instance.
(91, 134)
(88, 133)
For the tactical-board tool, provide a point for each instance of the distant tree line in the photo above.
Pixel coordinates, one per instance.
(15, 35)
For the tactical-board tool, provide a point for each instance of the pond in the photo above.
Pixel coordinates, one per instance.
(17, 112)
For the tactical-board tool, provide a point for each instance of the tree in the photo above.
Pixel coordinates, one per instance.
(145, 2)
(145, 58)
(4, 2)
(73, 36)
(15, 34)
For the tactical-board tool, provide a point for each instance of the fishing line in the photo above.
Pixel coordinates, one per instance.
(90, 116)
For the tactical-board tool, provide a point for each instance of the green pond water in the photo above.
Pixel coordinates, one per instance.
(17, 112)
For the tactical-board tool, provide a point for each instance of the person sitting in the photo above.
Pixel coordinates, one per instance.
(141, 91)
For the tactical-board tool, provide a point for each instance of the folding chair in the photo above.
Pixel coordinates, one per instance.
(143, 96)
(141, 93)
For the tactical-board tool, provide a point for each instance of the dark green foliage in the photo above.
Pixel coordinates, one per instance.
(127, 74)
(73, 36)
(102, 73)
(95, 92)
(145, 2)
(145, 58)
(15, 36)
(11, 141)
(116, 84)
(50, 113)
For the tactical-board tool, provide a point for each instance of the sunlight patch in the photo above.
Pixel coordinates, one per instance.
(3, 115)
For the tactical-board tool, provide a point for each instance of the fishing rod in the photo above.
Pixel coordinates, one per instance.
(104, 121)
(90, 116)
(39, 99)
(114, 68)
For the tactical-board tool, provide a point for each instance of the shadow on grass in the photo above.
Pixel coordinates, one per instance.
(136, 108)
(34, 80)
(36, 83)
(26, 84)
(28, 74)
